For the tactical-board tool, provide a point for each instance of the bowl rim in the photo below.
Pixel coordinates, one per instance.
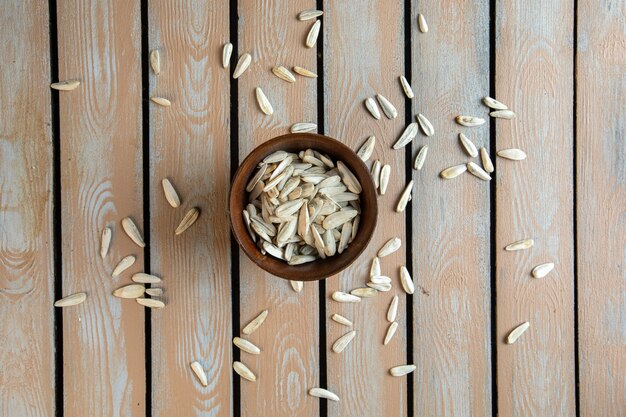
(318, 269)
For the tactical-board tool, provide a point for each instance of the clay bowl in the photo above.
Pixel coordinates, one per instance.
(320, 268)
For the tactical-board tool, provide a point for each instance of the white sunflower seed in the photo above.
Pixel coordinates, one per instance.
(255, 323)
(284, 74)
(342, 297)
(405, 197)
(453, 171)
(388, 108)
(392, 311)
(517, 332)
(391, 330)
(408, 91)
(487, 164)
(311, 37)
(402, 370)
(288, 208)
(242, 65)
(188, 220)
(130, 291)
(68, 85)
(384, 179)
(407, 136)
(468, 145)
(105, 241)
(273, 250)
(372, 107)
(227, 51)
(330, 246)
(540, 271)
(256, 178)
(390, 247)
(421, 22)
(366, 150)
(71, 300)
(123, 265)
(303, 127)
(155, 61)
(379, 287)
(150, 302)
(243, 371)
(494, 104)
(477, 171)
(132, 231)
(406, 280)
(502, 114)
(143, 278)
(309, 14)
(380, 279)
(513, 154)
(364, 292)
(375, 267)
(200, 374)
(425, 124)
(338, 218)
(341, 343)
(344, 239)
(277, 156)
(161, 101)
(246, 346)
(323, 393)
(301, 259)
(304, 72)
(421, 158)
(349, 178)
(170, 193)
(297, 285)
(470, 121)
(341, 320)
(319, 242)
(154, 292)
(375, 172)
(264, 103)
(520, 245)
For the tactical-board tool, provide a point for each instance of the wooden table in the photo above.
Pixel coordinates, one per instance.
(75, 162)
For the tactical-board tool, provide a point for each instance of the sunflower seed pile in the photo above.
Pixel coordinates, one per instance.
(302, 206)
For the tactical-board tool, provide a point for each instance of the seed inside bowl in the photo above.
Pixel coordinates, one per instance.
(309, 205)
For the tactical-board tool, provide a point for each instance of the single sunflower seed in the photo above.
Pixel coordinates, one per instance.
(277, 156)
(170, 193)
(130, 291)
(469, 121)
(453, 171)
(242, 65)
(255, 323)
(246, 346)
(392, 311)
(502, 114)
(199, 372)
(425, 124)
(338, 318)
(375, 267)
(338, 218)
(380, 279)
(132, 231)
(188, 220)
(349, 178)
(123, 265)
(342, 297)
(366, 150)
(154, 292)
(68, 85)
(407, 136)
(477, 171)
(227, 51)
(243, 371)
(540, 271)
(301, 259)
(405, 197)
(364, 292)
(311, 37)
(487, 164)
(303, 127)
(344, 238)
(297, 285)
(341, 343)
(388, 108)
(379, 287)
(161, 101)
(421, 157)
(492, 103)
(155, 61)
(408, 91)
(143, 278)
(375, 172)
(105, 241)
(406, 280)
(372, 107)
(304, 72)
(517, 332)
(284, 74)
(309, 14)
(323, 393)
(71, 300)
(421, 22)
(520, 245)
(468, 145)
(402, 370)
(513, 154)
(384, 179)
(264, 103)
(391, 330)
(390, 247)
(150, 302)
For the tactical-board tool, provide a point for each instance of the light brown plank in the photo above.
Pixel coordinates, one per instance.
(101, 177)
(359, 62)
(26, 245)
(190, 145)
(288, 364)
(451, 225)
(534, 58)
(601, 201)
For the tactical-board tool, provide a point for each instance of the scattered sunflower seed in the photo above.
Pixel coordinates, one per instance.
(375, 172)
(470, 121)
(154, 292)
(540, 271)
(309, 14)
(520, 245)
(297, 285)
(453, 171)
(264, 103)
(384, 179)
(388, 108)
(492, 103)
(406, 280)
(246, 346)
(517, 332)
(502, 114)
(323, 393)
(200, 374)
(372, 107)
(189, 219)
(243, 371)
(379, 287)
(343, 341)
(487, 164)
(170, 193)
(405, 197)
(425, 124)
(284, 74)
(402, 370)
(390, 247)
(304, 72)
(71, 300)
(123, 265)
(421, 157)
(68, 85)
(365, 292)
(392, 311)
(311, 37)
(468, 145)
(477, 171)
(513, 154)
(130, 291)
(366, 150)
(242, 65)
(132, 231)
(155, 61)
(227, 51)
(303, 127)
(143, 278)
(407, 136)
(375, 267)
(338, 318)
(255, 323)
(408, 91)
(105, 241)
(150, 302)
(391, 330)
(161, 101)
(421, 22)
(342, 297)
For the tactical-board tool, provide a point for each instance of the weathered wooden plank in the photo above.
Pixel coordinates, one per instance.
(101, 176)
(601, 202)
(451, 226)
(26, 231)
(189, 144)
(364, 55)
(534, 58)
(288, 364)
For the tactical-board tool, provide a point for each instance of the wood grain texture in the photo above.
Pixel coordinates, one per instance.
(358, 63)
(601, 202)
(101, 178)
(26, 234)
(534, 199)
(190, 145)
(451, 224)
(288, 365)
